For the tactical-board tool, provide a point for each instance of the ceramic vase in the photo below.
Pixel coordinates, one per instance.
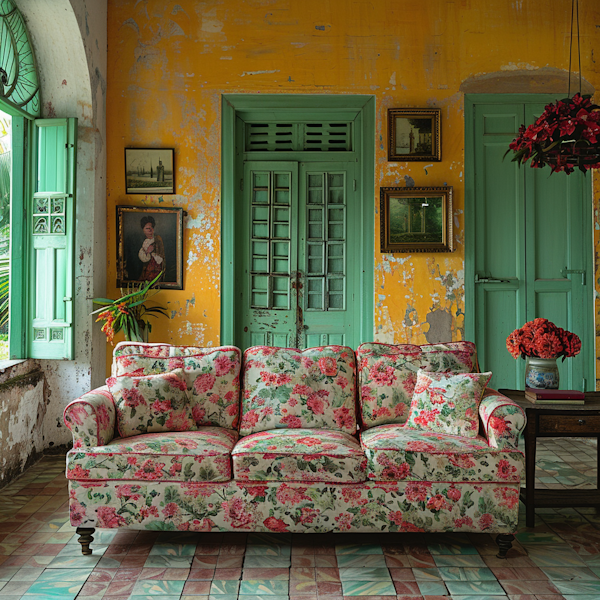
(541, 373)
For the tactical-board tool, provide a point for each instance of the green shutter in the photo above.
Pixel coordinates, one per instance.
(51, 227)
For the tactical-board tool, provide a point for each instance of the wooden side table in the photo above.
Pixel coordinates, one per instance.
(556, 420)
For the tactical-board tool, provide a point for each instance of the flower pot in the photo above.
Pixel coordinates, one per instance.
(541, 373)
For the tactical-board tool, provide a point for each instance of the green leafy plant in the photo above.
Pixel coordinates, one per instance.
(129, 313)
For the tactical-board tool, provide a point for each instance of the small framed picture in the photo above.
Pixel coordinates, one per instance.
(417, 219)
(149, 242)
(414, 134)
(150, 170)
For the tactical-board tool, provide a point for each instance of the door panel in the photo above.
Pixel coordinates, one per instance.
(268, 241)
(500, 302)
(530, 247)
(326, 266)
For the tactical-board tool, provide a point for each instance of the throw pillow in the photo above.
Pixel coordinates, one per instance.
(447, 402)
(152, 403)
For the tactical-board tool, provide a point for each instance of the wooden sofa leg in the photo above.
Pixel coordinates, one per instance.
(85, 538)
(504, 541)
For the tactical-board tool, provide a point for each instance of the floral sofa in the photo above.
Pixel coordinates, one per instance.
(390, 438)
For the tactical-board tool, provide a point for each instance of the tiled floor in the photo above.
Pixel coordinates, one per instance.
(41, 559)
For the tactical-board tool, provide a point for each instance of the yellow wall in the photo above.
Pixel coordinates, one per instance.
(169, 63)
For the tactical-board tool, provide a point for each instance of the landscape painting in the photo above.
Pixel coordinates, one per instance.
(149, 170)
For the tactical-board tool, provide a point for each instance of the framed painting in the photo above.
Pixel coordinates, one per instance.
(150, 170)
(149, 242)
(416, 219)
(414, 134)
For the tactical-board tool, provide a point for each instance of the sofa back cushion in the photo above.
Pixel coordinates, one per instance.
(288, 388)
(151, 403)
(212, 376)
(388, 374)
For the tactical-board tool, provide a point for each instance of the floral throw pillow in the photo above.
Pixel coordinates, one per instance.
(151, 404)
(447, 403)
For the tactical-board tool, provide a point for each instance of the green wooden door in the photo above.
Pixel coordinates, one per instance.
(297, 282)
(530, 247)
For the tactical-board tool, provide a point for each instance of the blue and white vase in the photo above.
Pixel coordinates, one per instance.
(541, 373)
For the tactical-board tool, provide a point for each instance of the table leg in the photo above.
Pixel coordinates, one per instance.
(530, 444)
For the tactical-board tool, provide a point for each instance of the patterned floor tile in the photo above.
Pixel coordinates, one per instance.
(432, 588)
(480, 588)
(358, 549)
(463, 560)
(57, 589)
(368, 588)
(224, 587)
(265, 562)
(173, 549)
(366, 560)
(466, 574)
(153, 587)
(264, 587)
(171, 562)
(364, 574)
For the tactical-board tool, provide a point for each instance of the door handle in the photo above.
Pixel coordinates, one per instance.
(490, 280)
(565, 273)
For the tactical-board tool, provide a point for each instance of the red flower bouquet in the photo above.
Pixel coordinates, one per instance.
(565, 136)
(542, 339)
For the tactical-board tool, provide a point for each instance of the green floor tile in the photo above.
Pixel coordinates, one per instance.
(226, 587)
(268, 550)
(150, 587)
(74, 562)
(364, 560)
(253, 597)
(458, 560)
(452, 549)
(466, 574)
(578, 587)
(368, 588)
(67, 575)
(570, 573)
(168, 562)
(266, 562)
(364, 574)
(264, 587)
(426, 573)
(163, 549)
(554, 556)
(343, 549)
(467, 588)
(56, 589)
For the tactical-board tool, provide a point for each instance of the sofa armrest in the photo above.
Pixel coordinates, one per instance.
(91, 418)
(502, 418)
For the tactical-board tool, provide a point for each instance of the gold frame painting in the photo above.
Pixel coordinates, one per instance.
(150, 239)
(414, 134)
(416, 219)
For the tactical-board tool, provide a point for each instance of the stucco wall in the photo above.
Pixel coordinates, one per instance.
(171, 61)
(73, 84)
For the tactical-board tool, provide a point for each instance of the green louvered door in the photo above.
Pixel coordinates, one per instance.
(530, 250)
(298, 285)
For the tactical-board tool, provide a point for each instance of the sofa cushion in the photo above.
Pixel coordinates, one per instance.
(448, 403)
(288, 388)
(299, 455)
(397, 453)
(203, 455)
(151, 403)
(212, 376)
(388, 374)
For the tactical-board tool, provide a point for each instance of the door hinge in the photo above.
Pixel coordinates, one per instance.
(355, 185)
(583, 384)
(241, 185)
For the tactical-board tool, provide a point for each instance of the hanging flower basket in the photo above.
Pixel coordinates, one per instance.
(565, 137)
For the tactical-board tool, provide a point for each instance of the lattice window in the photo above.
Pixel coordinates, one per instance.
(270, 240)
(49, 217)
(326, 241)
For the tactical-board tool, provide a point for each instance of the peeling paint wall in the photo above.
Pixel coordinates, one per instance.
(73, 84)
(171, 61)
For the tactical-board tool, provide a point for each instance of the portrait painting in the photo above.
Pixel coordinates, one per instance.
(416, 219)
(149, 243)
(414, 134)
(149, 171)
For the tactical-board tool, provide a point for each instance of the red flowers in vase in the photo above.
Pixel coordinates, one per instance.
(565, 136)
(542, 339)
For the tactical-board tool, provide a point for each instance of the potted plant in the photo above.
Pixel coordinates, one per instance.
(129, 313)
(541, 342)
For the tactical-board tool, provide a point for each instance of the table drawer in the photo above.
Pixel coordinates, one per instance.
(584, 424)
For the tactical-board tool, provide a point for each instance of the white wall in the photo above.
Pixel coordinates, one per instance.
(69, 41)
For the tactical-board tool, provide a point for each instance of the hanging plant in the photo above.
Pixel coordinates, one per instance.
(565, 137)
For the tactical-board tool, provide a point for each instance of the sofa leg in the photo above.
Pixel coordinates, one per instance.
(504, 541)
(85, 538)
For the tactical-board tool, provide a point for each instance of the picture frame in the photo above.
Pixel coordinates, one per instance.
(408, 226)
(414, 134)
(139, 259)
(150, 171)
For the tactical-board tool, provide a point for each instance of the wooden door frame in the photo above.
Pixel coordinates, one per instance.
(354, 105)
(471, 100)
